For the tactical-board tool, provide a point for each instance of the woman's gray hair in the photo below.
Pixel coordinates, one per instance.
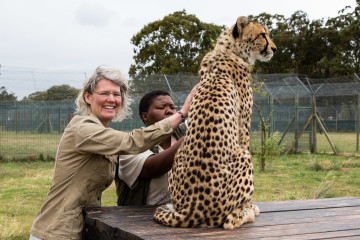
(112, 74)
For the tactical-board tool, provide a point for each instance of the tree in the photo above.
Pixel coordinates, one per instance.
(317, 48)
(4, 95)
(57, 93)
(345, 41)
(175, 44)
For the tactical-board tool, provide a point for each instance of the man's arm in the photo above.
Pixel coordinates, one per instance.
(159, 164)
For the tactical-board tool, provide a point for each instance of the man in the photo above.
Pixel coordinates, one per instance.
(142, 179)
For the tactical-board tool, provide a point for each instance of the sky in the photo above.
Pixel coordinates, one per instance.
(79, 35)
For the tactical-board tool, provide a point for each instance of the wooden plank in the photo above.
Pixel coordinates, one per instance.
(295, 205)
(326, 235)
(118, 216)
(314, 219)
(303, 215)
(339, 224)
(163, 232)
(352, 238)
(307, 204)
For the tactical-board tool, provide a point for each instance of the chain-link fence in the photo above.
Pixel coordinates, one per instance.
(287, 102)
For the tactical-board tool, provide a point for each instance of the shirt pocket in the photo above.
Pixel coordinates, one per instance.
(103, 170)
(100, 165)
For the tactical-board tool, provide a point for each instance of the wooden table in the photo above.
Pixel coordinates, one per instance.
(298, 219)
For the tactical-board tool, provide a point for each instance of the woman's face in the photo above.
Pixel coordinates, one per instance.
(161, 108)
(105, 101)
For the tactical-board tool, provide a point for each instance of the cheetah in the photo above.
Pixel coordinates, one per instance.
(211, 180)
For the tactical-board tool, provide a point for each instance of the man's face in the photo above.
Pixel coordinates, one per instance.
(161, 108)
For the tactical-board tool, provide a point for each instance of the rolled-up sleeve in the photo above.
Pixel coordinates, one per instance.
(130, 166)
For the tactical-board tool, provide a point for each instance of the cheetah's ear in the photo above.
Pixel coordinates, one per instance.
(241, 22)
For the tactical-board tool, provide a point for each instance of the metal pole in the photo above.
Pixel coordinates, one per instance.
(326, 135)
(296, 121)
(167, 82)
(336, 121)
(59, 120)
(313, 150)
(24, 120)
(17, 118)
(357, 122)
(299, 135)
(270, 115)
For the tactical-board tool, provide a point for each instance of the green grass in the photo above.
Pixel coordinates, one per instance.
(27, 145)
(303, 176)
(343, 142)
(24, 185)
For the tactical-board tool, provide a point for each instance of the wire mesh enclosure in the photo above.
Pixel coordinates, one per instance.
(286, 102)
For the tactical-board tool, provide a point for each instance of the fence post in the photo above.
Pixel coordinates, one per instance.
(7, 121)
(24, 120)
(336, 120)
(59, 119)
(357, 116)
(271, 101)
(296, 121)
(16, 117)
(357, 122)
(314, 145)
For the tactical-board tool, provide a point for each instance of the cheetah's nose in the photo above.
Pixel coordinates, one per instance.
(273, 49)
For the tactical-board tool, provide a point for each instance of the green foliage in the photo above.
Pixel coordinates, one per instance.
(4, 95)
(271, 145)
(317, 48)
(56, 93)
(258, 88)
(268, 149)
(267, 146)
(175, 44)
(345, 30)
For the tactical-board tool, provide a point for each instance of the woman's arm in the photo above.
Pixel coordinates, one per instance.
(176, 119)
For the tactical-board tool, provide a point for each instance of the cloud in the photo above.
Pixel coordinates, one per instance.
(93, 15)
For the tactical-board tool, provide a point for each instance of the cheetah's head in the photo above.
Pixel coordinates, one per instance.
(250, 40)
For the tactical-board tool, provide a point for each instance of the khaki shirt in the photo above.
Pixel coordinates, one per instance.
(84, 168)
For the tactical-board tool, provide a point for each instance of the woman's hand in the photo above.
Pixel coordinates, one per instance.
(185, 108)
(176, 119)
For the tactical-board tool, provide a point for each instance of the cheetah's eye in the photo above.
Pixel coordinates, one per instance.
(258, 36)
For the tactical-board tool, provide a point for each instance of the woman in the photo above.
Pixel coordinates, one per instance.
(86, 156)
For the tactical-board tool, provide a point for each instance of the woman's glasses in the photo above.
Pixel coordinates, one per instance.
(116, 95)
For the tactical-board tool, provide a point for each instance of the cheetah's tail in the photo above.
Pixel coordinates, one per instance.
(240, 216)
(167, 215)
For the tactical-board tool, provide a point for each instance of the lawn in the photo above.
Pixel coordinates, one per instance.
(28, 145)
(24, 185)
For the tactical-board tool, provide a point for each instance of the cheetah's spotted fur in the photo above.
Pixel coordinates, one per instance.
(211, 181)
